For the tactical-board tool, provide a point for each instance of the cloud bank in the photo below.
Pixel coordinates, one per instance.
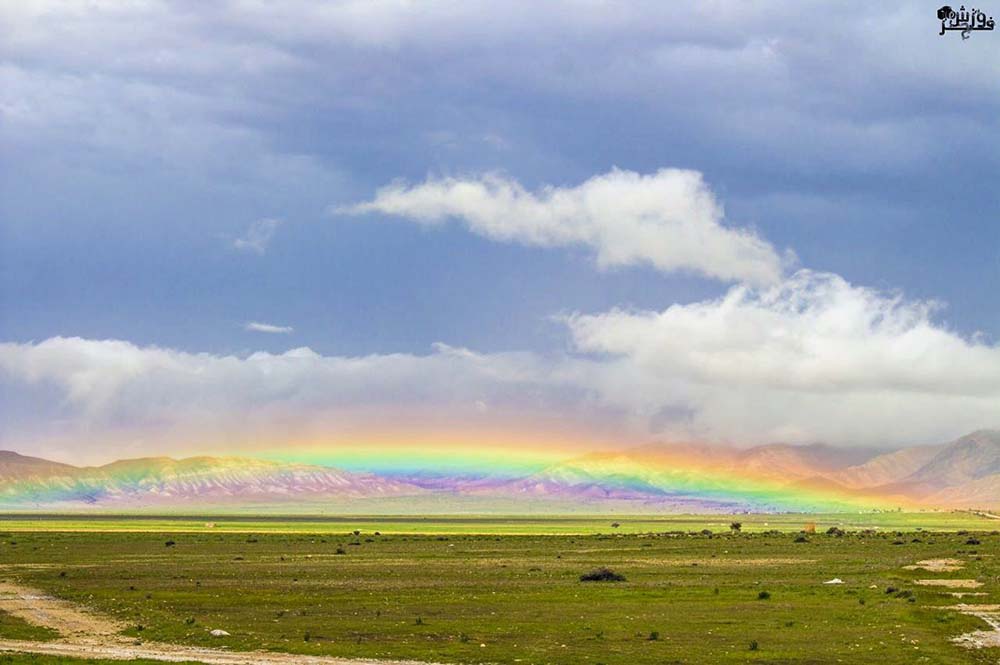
(669, 220)
(810, 359)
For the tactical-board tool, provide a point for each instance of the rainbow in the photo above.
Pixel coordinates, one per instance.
(675, 478)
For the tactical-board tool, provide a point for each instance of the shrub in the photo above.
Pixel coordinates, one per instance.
(736, 527)
(463, 638)
(764, 595)
(615, 525)
(753, 645)
(602, 575)
(973, 541)
(801, 538)
(653, 636)
(835, 531)
(169, 543)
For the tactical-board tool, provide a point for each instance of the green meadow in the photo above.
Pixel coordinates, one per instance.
(492, 524)
(503, 590)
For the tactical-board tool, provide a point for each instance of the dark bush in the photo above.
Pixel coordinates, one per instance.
(602, 575)
(764, 595)
(834, 531)
(973, 541)
(801, 538)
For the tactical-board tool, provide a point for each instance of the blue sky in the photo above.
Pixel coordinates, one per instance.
(144, 144)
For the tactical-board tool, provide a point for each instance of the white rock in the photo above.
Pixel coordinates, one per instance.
(218, 633)
(835, 580)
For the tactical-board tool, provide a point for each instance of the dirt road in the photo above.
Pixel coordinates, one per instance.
(87, 635)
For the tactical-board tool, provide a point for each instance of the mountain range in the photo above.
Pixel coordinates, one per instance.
(664, 478)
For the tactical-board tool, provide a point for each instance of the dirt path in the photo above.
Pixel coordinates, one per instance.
(40, 609)
(981, 638)
(87, 635)
(990, 614)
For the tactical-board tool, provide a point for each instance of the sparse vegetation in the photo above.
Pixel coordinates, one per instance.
(501, 590)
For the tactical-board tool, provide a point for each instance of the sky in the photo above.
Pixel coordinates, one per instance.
(246, 226)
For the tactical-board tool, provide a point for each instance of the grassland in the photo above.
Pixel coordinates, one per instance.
(491, 524)
(472, 590)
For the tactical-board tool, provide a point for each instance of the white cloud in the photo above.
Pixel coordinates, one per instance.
(258, 236)
(254, 326)
(811, 359)
(669, 220)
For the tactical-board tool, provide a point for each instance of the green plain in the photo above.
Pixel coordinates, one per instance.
(504, 590)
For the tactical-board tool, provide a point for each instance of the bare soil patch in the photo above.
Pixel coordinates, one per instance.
(937, 565)
(951, 584)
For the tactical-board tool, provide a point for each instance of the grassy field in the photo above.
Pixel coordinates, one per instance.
(494, 525)
(468, 590)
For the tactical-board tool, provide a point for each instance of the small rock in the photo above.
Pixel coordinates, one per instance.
(835, 580)
(218, 633)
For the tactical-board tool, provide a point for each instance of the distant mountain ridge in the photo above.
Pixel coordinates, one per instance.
(681, 477)
(163, 480)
